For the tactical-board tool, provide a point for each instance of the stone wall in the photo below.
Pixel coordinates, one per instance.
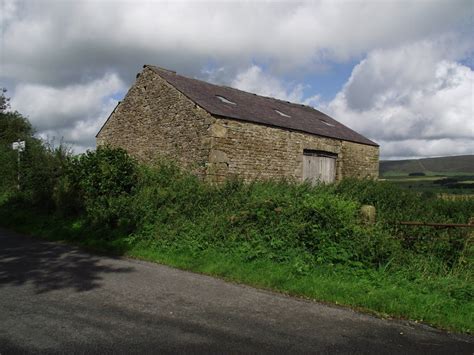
(254, 151)
(360, 160)
(155, 120)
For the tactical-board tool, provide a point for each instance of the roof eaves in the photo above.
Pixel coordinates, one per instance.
(236, 118)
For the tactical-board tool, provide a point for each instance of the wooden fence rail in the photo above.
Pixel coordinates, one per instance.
(438, 225)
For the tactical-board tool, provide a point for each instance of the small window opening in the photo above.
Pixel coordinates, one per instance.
(224, 100)
(326, 123)
(282, 114)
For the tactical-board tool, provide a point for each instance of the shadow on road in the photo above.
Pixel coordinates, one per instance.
(49, 266)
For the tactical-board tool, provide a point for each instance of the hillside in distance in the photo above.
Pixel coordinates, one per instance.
(445, 165)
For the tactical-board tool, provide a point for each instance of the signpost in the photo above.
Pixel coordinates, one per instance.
(19, 146)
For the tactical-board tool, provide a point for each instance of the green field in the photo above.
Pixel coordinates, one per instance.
(438, 183)
(432, 174)
(443, 175)
(445, 166)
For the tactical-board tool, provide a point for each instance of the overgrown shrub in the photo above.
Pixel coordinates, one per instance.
(13, 127)
(395, 205)
(103, 182)
(8, 172)
(42, 166)
(273, 220)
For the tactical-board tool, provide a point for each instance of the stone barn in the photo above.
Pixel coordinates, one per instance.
(217, 132)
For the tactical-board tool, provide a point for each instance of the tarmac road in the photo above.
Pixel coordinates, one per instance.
(56, 298)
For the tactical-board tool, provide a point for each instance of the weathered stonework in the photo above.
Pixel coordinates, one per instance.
(156, 120)
(360, 160)
(255, 151)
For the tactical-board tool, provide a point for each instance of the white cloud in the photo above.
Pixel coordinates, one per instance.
(255, 80)
(410, 87)
(60, 41)
(415, 148)
(81, 134)
(412, 99)
(73, 112)
(9, 11)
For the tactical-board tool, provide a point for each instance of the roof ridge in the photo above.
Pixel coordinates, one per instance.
(159, 68)
(228, 87)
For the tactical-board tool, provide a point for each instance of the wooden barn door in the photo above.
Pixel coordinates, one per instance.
(319, 166)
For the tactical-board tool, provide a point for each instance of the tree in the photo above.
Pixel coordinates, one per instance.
(4, 101)
(13, 125)
(38, 165)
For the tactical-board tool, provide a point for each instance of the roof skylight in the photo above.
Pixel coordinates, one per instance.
(326, 123)
(224, 100)
(282, 114)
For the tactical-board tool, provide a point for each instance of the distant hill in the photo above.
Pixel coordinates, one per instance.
(450, 165)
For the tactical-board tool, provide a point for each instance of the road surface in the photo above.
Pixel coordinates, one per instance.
(57, 298)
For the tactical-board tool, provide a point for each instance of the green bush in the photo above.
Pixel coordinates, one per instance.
(13, 127)
(8, 172)
(42, 167)
(282, 221)
(103, 182)
(395, 204)
(278, 221)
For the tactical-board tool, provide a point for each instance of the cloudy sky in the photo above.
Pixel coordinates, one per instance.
(399, 72)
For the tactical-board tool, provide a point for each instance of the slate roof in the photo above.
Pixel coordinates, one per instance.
(259, 109)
